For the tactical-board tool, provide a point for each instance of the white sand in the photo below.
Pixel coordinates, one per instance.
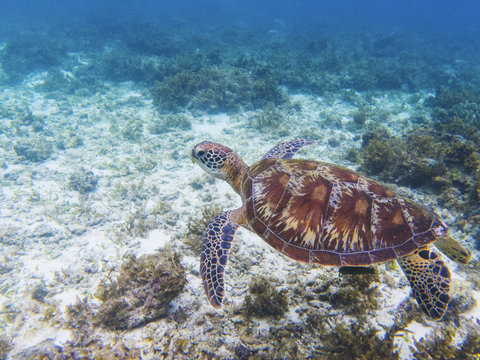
(68, 242)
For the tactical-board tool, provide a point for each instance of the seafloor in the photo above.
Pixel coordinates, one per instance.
(102, 209)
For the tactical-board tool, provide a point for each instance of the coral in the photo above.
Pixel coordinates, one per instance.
(35, 150)
(264, 299)
(84, 181)
(68, 140)
(142, 291)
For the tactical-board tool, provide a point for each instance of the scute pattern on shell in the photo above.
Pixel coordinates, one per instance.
(321, 213)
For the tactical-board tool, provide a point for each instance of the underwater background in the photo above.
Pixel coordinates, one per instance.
(102, 210)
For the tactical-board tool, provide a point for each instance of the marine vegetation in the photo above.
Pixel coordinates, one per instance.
(133, 130)
(29, 51)
(196, 226)
(442, 156)
(264, 299)
(170, 122)
(359, 340)
(142, 291)
(356, 293)
(442, 346)
(34, 150)
(5, 347)
(269, 118)
(216, 90)
(318, 337)
(84, 181)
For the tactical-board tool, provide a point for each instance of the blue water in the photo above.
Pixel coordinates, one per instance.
(437, 33)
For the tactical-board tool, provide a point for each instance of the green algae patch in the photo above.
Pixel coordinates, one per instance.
(142, 291)
(264, 299)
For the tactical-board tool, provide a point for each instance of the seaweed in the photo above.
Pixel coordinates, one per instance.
(264, 299)
(169, 122)
(197, 224)
(356, 294)
(34, 150)
(441, 346)
(360, 117)
(216, 90)
(358, 340)
(39, 292)
(26, 52)
(269, 118)
(84, 181)
(5, 347)
(142, 292)
(133, 130)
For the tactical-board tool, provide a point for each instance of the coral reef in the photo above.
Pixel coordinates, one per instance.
(142, 292)
(264, 299)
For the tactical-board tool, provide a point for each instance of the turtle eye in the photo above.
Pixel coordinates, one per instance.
(200, 153)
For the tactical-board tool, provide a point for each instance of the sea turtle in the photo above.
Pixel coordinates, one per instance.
(321, 213)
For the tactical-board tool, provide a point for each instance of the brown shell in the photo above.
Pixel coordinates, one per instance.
(321, 213)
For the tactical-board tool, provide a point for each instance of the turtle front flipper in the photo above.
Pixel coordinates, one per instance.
(217, 241)
(287, 150)
(429, 279)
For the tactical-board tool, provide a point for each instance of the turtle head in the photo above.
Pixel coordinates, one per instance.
(220, 162)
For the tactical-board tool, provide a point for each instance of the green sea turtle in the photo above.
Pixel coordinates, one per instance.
(321, 213)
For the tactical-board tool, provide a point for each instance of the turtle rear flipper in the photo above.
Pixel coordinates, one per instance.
(217, 241)
(429, 279)
(452, 248)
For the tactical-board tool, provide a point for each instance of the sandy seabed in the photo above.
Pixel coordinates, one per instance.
(65, 242)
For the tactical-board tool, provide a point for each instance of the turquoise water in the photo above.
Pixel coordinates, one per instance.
(102, 210)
